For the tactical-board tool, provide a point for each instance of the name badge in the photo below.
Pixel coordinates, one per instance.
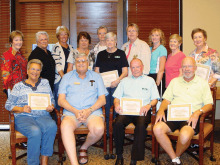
(77, 83)
(117, 56)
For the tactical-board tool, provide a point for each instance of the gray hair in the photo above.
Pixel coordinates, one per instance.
(79, 55)
(102, 27)
(111, 34)
(41, 33)
(35, 61)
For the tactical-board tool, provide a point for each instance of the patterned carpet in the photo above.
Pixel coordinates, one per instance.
(96, 156)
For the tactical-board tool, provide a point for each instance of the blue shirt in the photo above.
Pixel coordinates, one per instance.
(19, 96)
(155, 57)
(82, 93)
(143, 87)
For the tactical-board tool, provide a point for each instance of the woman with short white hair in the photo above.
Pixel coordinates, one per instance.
(109, 60)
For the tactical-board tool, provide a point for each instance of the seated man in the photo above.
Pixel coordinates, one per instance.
(188, 88)
(137, 86)
(81, 94)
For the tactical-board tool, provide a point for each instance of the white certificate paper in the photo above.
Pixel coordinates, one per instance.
(131, 106)
(203, 71)
(179, 112)
(109, 77)
(38, 101)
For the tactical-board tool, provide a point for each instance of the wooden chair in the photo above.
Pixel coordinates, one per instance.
(16, 138)
(130, 130)
(206, 124)
(82, 130)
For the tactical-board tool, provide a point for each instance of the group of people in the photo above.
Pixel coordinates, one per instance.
(72, 80)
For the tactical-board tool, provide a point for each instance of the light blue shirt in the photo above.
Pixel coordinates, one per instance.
(19, 97)
(155, 56)
(143, 87)
(82, 93)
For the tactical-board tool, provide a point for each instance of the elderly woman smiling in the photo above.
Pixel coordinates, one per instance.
(109, 60)
(203, 54)
(83, 41)
(36, 125)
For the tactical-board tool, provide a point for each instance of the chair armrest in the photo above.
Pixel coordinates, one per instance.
(153, 116)
(103, 111)
(59, 115)
(12, 122)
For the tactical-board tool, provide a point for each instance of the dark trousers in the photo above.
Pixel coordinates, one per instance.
(141, 123)
(109, 103)
(154, 76)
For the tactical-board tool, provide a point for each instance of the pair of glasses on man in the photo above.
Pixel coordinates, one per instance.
(83, 61)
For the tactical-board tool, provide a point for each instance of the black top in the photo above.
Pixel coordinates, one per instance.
(48, 71)
(111, 61)
(66, 53)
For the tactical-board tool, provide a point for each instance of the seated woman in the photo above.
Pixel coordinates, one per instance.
(36, 125)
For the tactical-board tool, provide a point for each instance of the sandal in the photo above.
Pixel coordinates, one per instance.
(83, 157)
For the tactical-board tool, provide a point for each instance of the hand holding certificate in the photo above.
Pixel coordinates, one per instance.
(131, 106)
(179, 112)
(38, 101)
(109, 77)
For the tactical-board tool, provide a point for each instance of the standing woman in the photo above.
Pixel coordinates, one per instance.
(83, 41)
(60, 53)
(136, 48)
(205, 55)
(174, 60)
(14, 65)
(109, 60)
(158, 58)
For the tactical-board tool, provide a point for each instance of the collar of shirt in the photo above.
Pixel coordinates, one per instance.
(204, 50)
(134, 44)
(77, 74)
(194, 80)
(137, 77)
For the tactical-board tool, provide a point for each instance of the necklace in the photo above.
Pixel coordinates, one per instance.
(109, 55)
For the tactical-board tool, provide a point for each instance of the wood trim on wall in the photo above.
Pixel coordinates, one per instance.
(78, 1)
(32, 1)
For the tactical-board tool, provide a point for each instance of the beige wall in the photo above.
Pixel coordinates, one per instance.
(204, 14)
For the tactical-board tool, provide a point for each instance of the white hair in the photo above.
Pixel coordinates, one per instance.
(41, 33)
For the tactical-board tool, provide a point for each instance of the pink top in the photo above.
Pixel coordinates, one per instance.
(172, 66)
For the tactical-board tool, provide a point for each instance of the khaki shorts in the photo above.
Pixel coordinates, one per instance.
(91, 117)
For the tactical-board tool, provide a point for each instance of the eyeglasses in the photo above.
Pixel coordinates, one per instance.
(132, 31)
(83, 61)
(33, 69)
(187, 66)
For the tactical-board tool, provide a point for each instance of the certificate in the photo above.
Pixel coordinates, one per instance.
(109, 77)
(131, 106)
(203, 71)
(38, 101)
(179, 112)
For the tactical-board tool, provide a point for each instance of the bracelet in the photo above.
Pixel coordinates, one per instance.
(91, 110)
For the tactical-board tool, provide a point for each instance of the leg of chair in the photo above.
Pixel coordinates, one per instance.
(201, 153)
(13, 153)
(106, 156)
(212, 147)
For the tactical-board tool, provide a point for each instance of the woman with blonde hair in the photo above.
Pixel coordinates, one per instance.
(158, 58)
(174, 60)
(60, 53)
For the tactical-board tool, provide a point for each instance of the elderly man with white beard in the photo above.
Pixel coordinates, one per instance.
(186, 89)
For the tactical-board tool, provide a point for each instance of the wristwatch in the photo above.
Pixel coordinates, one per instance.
(201, 110)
